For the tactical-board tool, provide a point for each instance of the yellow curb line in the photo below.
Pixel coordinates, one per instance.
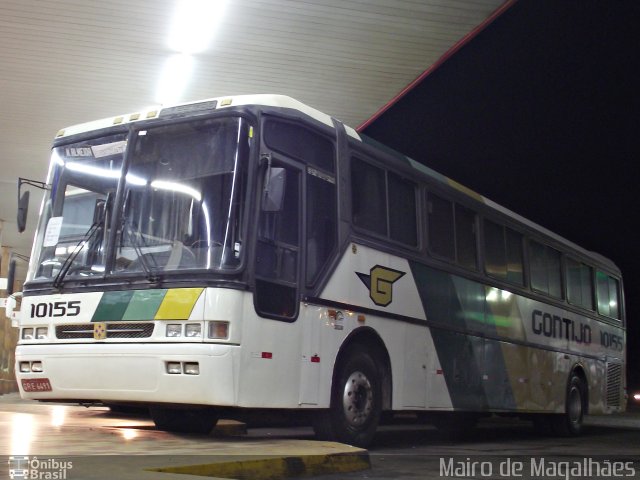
(276, 468)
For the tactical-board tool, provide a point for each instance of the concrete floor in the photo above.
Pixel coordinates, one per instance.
(103, 445)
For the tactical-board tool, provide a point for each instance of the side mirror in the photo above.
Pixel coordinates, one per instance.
(11, 277)
(274, 185)
(23, 209)
(23, 200)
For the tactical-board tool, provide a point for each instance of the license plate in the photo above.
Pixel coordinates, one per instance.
(36, 385)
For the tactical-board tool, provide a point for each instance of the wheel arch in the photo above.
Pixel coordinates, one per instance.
(371, 341)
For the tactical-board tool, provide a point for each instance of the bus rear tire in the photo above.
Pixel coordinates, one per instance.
(570, 423)
(188, 420)
(356, 402)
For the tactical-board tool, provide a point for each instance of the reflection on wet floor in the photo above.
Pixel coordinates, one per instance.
(30, 428)
(33, 428)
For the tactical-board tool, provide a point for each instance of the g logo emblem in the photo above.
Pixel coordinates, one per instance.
(380, 283)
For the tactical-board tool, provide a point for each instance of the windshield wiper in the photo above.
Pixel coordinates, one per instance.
(100, 218)
(66, 265)
(149, 271)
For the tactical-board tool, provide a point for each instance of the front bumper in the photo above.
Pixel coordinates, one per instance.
(130, 373)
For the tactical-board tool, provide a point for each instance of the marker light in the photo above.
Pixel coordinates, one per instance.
(191, 368)
(219, 330)
(27, 333)
(174, 368)
(174, 330)
(193, 330)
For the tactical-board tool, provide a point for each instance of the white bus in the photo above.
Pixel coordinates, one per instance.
(252, 253)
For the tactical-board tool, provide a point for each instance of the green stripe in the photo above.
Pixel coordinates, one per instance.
(112, 306)
(144, 305)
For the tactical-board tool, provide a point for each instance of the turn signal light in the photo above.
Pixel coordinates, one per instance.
(219, 330)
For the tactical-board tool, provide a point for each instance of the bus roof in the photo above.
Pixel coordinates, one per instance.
(212, 104)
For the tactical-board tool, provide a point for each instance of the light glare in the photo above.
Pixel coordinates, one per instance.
(194, 24)
(174, 79)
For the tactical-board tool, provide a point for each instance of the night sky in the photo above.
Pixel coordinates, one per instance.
(540, 112)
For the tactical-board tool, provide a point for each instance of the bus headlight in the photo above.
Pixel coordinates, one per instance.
(174, 330)
(42, 333)
(193, 330)
(174, 368)
(25, 367)
(219, 330)
(27, 333)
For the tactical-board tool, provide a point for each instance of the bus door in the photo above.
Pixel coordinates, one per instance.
(277, 260)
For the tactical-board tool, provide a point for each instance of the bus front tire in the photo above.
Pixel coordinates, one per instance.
(570, 423)
(356, 402)
(192, 420)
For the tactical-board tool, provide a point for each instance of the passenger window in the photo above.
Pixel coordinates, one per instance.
(403, 225)
(321, 222)
(608, 295)
(466, 245)
(545, 268)
(503, 253)
(579, 284)
(368, 197)
(440, 225)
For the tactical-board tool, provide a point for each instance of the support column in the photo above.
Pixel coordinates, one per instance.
(8, 337)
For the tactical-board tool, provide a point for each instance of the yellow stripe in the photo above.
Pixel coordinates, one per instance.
(178, 304)
(466, 190)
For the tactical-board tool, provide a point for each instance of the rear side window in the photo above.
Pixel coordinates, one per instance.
(579, 284)
(608, 291)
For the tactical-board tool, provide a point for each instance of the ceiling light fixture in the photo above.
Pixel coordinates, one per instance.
(194, 24)
(174, 79)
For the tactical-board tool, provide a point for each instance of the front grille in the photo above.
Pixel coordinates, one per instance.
(114, 330)
(614, 383)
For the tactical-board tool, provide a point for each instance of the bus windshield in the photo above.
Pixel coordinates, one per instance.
(180, 208)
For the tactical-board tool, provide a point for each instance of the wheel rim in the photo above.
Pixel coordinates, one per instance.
(574, 406)
(357, 399)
